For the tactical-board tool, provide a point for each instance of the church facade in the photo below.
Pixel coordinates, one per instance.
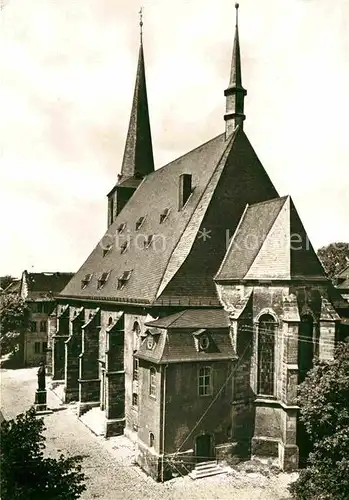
(190, 347)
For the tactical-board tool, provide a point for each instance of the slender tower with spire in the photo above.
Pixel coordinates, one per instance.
(235, 93)
(138, 158)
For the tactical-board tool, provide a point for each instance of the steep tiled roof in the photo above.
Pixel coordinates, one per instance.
(179, 262)
(270, 243)
(157, 192)
(40, 285)
(193, 318)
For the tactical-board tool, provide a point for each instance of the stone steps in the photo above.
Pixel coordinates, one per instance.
(207, 469)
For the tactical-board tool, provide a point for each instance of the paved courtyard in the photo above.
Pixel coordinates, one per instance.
(108, 464)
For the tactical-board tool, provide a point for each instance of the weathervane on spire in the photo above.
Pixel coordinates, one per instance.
(141, 22)
(237, 13)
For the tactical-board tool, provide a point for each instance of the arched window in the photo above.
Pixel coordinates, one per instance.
(266, 355)
(110, 321)
(151, 439)
(152, 382)
(136, 328)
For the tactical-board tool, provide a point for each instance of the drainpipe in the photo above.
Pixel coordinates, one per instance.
(164, 371)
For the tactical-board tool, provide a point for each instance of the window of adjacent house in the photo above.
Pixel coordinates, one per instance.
(139, 223)
(134, 399)
(266, 355)
(151, 439)
(102, 280)
(164, 215)
(86, 280)
(44, 346)
(205, 381)
(152, 382)
(135, 367)
(37, 347)
(40, 307)
(33, 326)
(43, 326)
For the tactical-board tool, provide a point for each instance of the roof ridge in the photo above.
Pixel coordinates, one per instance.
(229, 144)
(271, 200)
(184, 155)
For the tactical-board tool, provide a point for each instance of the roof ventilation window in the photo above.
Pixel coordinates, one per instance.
(148, 241)
(107, 249)
(102, 280)
(124, 247)
(139, 223)
(86, 280)
(164, 215)
(123, 279)
(185, 189)
(121, 227)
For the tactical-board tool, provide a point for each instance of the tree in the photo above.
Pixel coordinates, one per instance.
(24, 472)
(324, 410)
(5, 281)
(334, 258)
(14, 320)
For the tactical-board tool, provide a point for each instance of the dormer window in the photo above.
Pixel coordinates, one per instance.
(148, 241)
(139, 223)
(164, 215)
(86, 280)
(123, 279)
(121, 227)
(124, 247)
(107, 249)
(102, 280)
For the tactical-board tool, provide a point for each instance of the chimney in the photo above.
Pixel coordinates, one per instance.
(185, 190)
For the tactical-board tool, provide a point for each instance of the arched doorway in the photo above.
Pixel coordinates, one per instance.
(204, 448)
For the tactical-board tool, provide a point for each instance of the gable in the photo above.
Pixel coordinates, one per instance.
(241, 180)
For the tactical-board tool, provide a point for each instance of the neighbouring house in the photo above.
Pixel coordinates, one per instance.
(193, 320)
(39, 290)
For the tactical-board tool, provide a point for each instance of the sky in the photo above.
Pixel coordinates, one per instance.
(67, 72)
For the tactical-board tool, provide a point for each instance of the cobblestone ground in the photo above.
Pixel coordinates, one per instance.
(111, 474)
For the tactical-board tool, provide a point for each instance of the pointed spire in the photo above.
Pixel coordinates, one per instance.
(235, 93)
(138, 158)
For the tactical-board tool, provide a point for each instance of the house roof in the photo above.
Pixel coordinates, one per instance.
(181, 345)
(270, 243)
(193, 318)
(43, 285)
(344, 274)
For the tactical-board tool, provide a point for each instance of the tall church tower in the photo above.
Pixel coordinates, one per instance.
(138, 158)
(235, 93)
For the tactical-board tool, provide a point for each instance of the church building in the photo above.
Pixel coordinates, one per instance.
(191, 345)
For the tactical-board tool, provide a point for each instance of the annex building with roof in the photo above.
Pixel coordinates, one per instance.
(191, 347)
